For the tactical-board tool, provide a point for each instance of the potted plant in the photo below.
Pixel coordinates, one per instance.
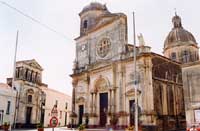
(81, 127)
(86, 120)
(113, 120)
(40, 127)
(130, 128)
(6, 126)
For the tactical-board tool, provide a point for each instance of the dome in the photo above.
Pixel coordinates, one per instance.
(178, 34)
(94, 6)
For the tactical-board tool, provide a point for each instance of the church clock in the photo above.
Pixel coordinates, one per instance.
(83, 51)
(103, 47)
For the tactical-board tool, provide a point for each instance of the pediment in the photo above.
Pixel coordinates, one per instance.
(104, 20)
(33, 63)
(101, 64)
(131, 92)
(80, 100)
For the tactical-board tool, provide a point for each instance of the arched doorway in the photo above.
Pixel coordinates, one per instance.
(81, 111)
(132, 111)
(103, 108)
(28, 115)
(101, 89)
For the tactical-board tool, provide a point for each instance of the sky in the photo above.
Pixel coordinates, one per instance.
(55, 50)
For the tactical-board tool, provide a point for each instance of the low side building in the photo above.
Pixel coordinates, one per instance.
(35, 100)
(61, 102)
(7, 104)
(191, 85)
(28, 81)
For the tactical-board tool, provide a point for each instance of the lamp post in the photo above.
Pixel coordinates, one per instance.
(14, 68)
(135, 81)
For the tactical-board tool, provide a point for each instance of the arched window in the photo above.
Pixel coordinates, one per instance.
(173, 56)
(186, 56)
(29, 98)
(85, 24)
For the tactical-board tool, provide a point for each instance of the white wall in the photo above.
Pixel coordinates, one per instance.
(7, 94)
(51, 97)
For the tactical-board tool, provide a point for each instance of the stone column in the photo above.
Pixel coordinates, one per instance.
(92, 103)
(110, 101)
(74, 83)
(113, 100)
(95, 103)
(20, 73)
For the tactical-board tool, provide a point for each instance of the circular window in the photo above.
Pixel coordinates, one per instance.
(103, 47)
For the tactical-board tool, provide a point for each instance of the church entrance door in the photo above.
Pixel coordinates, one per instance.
(132, 111)
(28, 115)
(81, 110)
(103, 108)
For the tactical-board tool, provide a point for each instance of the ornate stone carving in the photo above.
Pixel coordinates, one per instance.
(80, 100)
(101, 85)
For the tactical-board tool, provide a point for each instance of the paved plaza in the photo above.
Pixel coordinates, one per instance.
(67, 129)
(64, 129)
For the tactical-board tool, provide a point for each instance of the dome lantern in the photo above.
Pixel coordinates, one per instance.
(176, 20)
(180, 45)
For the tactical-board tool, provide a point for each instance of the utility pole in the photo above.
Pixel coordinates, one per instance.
(13, 79)
(135, 81)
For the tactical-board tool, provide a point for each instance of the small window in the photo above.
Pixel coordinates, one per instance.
(85, 24)
(56, 104)
(66, 105)
(173, 56)
(8, 108)
(185, 56)
(29, 98)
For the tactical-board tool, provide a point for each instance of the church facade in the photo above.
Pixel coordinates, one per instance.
(103, 77)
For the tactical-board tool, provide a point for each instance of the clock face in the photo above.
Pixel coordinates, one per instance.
(83, 51)
(103, 47)
(83, 47)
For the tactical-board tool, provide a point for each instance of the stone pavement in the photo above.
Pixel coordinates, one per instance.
(64, 129)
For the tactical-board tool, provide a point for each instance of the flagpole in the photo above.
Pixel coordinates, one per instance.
(13, 79)
(135, 84)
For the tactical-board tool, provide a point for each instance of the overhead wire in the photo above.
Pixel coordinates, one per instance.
(36, 21)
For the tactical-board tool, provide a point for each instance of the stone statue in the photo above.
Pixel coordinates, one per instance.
(141, 40)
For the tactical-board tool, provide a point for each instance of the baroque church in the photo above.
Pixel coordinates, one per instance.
(103, 75)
